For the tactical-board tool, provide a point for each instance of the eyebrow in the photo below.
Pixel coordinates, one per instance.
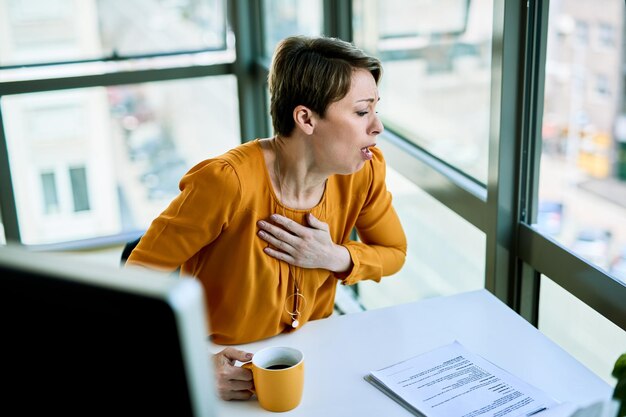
(371, 100)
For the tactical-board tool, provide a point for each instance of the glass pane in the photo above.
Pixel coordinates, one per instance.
(50, 194)
(65, 30)
(282, 18)
(116, 154)
(446, 254)
(592, 339)
(78, 178)
(582, 184)
(437, 73)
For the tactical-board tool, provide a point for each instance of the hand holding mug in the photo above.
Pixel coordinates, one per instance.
(232, 382)
(278, 374)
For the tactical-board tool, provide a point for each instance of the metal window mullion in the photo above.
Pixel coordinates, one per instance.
(111, 58)
(504, 137)
(7, 194)
(534, 79)
(113, 78)
(247, 22)
(338, 19)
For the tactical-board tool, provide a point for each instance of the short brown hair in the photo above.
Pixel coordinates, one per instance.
(313, 72)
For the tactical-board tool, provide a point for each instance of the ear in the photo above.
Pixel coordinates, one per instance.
(305, 119)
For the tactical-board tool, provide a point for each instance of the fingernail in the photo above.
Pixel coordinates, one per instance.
(249, 355)
(261, 223)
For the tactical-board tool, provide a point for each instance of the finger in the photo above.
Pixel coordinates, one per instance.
(315, 222)
(279, 244)
(237, 373)
(235, 385)
(288, 224)
(278, 232)
(236, 395)
(281, 256)
(236, 355)
(274, 229)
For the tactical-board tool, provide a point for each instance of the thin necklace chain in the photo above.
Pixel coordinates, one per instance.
(294, 271)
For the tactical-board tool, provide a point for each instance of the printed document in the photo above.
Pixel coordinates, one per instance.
(453, 382)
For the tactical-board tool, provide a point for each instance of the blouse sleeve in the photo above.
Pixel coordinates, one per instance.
(382, 247)
(209, 196)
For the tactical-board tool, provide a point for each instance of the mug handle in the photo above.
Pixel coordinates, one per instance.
(248, 365)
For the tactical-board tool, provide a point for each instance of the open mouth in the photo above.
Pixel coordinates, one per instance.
(366, 153)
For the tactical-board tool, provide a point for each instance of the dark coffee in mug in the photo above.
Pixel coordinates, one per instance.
(278, 366)
(278, 373)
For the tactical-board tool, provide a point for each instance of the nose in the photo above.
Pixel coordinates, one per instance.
(377, 126)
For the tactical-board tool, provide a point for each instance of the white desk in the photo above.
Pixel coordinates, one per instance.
(340, 350)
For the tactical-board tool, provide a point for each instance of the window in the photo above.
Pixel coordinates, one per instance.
(283, 18)
(78, 178)
(603, 86)
(71, 30)
(435, 90)
(582, 197)
(586, 335)
(606, 35)
(134, 142)
(435, 96)
(582, 32)
(577, 181)
(445, 253)
(50, 194)
(105, 105)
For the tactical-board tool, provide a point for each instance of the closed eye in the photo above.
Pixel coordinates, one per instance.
(362, 113)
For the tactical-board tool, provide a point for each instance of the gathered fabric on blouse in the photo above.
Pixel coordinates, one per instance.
(210, 231)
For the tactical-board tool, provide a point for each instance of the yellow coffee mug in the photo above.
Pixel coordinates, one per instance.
(278, 374)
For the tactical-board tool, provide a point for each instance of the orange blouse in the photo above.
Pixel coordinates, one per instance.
(210, 231)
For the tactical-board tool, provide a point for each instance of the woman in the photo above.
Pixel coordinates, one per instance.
(266, 227)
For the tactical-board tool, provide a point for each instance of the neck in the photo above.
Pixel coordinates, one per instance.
(296, 180)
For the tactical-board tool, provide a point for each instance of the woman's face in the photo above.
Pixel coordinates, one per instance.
(343, 137)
